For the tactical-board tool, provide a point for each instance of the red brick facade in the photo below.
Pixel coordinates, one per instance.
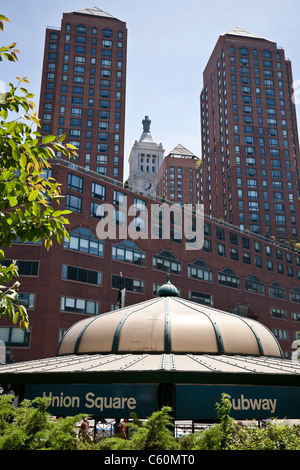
(237, 271)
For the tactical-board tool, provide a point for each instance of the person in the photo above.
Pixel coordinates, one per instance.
(123, 429)
(84, 428)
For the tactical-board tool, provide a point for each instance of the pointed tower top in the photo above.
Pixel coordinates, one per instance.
(241, 32)
(94, 11)
(181, 151)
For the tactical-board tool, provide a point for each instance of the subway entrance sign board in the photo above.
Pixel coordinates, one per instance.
(247, 401)
(190, 401)
(107, 400)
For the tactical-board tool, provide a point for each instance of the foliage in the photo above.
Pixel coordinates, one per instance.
(226, 422)
(217, 437)
(29, 427)
(275, 436)
(154, 434)
(229, 435)
(28, 198)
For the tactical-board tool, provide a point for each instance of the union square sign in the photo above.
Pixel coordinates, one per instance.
(192, 401)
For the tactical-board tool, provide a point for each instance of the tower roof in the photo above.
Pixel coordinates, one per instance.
(241, 32)
(180, 150)
(94, 11)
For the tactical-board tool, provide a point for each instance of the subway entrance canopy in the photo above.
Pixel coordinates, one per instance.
(164, 351)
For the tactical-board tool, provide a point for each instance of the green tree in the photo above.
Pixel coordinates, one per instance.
(216, 437)
(153, 434)
(28, 197)
(30, 427)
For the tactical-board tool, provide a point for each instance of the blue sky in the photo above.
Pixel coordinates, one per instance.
(169, 43)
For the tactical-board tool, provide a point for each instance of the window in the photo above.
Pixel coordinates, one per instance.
(296, 316)
(97, 210)
(106, 43)
(80, 50)
(221, 251)
(81, 29)
(199, 270)
(201, 298)
(26, 299)
(119, 218)
(99, 191)
(79, 59)
(132, 285)
(139, 204)
(53, 36)
(244, 51)
(87, 307)
(281, 334)
(13, 336)
(295, 295)
(276, 291)
(253, 284)
(220, 233)
(85, 241)
(106, 63)
(246, 258)
(74, 203)
(78, 79)
(120, 199)
(26, 268)
(77, 90)
(88, 276)
(279, 313)
(107, 33)
(101, 169)
(165, 261)
(207, 246)
(75, 182)
(104, 104)
(228, 278)
(76, 111)
(128, 252)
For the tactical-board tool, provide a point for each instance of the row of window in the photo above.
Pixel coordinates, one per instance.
(129, 253)
(91, 307)
(105, 43)
(82, 29)
(244, 52)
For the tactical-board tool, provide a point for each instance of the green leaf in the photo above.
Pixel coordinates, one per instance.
(13, 201)
(23, 160)
(58, 213)
(4, 113)
(33, 195)
(47, 139)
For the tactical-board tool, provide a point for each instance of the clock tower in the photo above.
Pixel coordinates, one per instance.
(145, 159)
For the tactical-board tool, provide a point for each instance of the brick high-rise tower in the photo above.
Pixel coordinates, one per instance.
(83, 87)
(249, 175)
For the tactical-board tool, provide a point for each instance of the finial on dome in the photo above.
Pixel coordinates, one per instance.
(168, 289)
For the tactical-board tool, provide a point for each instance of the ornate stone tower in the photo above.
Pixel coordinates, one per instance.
(145, 159)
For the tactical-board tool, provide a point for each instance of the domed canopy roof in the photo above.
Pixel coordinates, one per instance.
(169, 324)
